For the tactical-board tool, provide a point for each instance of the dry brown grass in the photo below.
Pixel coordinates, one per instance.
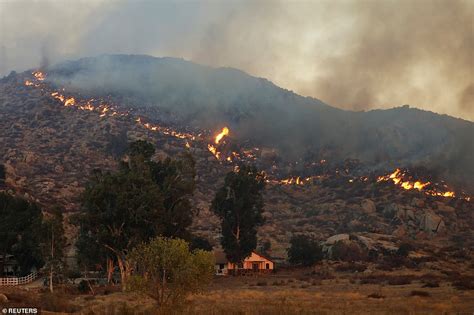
(301, 292)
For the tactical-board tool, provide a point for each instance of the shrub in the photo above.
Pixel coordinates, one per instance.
(304, 250)
(2, 175)
(348, 252)
(404, 249)
(316, 282)
(464, 284)
(419, 293)
(400, 280)
(376, 296)
(431, 284)
(262, 283)
(351, 267)
(73, 274)
(83, 287)
(56, 303)
(391, 280)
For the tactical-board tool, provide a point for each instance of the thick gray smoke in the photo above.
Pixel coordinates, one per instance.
(351, 54)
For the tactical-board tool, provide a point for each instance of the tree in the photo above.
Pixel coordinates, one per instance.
(141, 148)
(2, 175)
(198, 242)
(266, 247)
(141, 200)
(121, 210)
(167, 271)
(176, 180)
(239, 205)
(304, 250)
(20, 232)
(53, 243)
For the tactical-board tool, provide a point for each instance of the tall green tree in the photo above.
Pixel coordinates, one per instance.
(20, 232)
(53, 244)
(176, 180)
(167, 271)
(141, 200)
(239, 205)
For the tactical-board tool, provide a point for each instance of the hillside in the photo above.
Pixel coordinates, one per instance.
(299, 129)
(58, 137)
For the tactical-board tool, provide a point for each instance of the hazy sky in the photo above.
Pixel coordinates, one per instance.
(351, 54)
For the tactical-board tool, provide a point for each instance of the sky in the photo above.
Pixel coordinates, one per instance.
(352, 54)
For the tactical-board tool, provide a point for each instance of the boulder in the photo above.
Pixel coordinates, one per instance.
(417, 202)
(445, 208)
(390, 210)
(368, 206)
(432, 222)
(406, 214)
(337, 238)
(410, 214)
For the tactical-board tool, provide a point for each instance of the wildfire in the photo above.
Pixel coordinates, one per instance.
(39, 75)
(222, 134)
(397, 177)
(88, 106)
(70, 102)
(213, 148)
(292, 181)
(103, 109)
(58, 96)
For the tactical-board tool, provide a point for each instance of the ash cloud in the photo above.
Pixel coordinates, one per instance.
(355, 55)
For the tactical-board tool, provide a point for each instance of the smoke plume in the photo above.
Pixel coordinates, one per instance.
(352, 54)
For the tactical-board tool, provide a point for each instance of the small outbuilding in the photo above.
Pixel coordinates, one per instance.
(255, 263)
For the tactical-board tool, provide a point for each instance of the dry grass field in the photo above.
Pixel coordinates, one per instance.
(306, 291)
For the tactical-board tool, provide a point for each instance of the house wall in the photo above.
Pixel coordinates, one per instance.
(221, 271)
(254, 259)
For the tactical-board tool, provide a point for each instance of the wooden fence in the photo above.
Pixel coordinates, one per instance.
(13, 281)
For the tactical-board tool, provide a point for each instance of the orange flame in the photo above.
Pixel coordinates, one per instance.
(397, 177)
(222, 134)
(70, 102)
(39, 75)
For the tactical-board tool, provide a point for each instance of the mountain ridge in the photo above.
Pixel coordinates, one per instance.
(299, 129)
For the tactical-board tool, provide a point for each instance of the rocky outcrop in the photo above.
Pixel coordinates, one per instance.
(432, 223)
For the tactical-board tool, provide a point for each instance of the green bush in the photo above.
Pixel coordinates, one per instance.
(304, 250)
(83, 287)
(167, 271)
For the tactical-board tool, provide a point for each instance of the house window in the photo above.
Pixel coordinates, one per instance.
(267, 266)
